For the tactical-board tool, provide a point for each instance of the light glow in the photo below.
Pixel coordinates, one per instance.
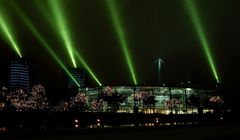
(202, 36)
(115, 16)
(43, 41)
(65, 34)
(87, 67)
(62, 27)
(9, 34)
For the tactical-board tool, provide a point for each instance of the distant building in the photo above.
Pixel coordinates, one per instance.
(20, 73)
(79, 76)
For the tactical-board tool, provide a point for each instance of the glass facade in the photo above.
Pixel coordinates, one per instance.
(167, 100)
(20, 73)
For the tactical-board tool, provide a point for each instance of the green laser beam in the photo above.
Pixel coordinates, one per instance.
(44, 12)
(9, 34)
(43, 41)
(202, 36)
(62, 27)
(79, 57)
(87, 67)
(115, 16)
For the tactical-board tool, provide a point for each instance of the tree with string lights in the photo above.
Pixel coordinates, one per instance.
(113, 98)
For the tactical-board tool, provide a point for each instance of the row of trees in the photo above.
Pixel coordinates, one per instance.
(36, 99)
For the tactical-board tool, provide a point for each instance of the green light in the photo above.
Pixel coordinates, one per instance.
(50, 20)
(120, 32)
(202, 36)
(42, 40)
(7, 32)
(87, 67)
(62, 27)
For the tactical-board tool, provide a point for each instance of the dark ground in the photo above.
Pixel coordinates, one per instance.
(210, 131)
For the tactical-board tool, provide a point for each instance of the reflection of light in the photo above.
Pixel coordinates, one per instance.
(98, 124)
(98, 120)
(149, 124)
(156, 120)
(76, 126)
(76, 121)
(168, 124)
(188, 89)
(3, 129)
(221, 118)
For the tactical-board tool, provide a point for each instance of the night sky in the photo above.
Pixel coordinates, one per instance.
(153, 29)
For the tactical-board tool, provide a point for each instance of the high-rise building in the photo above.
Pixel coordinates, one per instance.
(20, 73)
(79, 77)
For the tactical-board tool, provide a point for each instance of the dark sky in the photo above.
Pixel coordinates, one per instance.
(153, 28)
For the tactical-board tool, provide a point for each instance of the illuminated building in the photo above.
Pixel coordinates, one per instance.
(20, 73)
(167, 100)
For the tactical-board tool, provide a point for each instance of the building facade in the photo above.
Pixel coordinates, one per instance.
(167, 100)
(20, 73)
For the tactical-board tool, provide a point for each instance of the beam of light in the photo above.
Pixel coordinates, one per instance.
(9, 35)
(62, 27)
(44, 12)
(43, 41)
(159, 62)
(202, 36)
(76, 53)
(121, 36)
(87, 67)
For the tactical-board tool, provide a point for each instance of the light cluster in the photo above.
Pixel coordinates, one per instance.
(112, 98)
(61, 106)
(107, 99)
(108, 91)
(97, 105)
(216, 99)
(173, 103)
(79, 102)
(138, 96)
(22, 100)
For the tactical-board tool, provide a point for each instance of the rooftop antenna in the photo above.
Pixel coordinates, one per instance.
(159, 62)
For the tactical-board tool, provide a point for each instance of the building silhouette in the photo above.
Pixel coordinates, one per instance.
(80, 78)
(20, 73)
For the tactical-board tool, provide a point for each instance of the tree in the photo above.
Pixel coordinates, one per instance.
(173, 104)
(79, 102)
(113, 98)
(149, 100)
(216, 102)
(33, 100)
(97, 105)
(193, 101)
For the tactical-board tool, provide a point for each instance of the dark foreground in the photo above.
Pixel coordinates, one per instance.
(114, 126)
(212, 131)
